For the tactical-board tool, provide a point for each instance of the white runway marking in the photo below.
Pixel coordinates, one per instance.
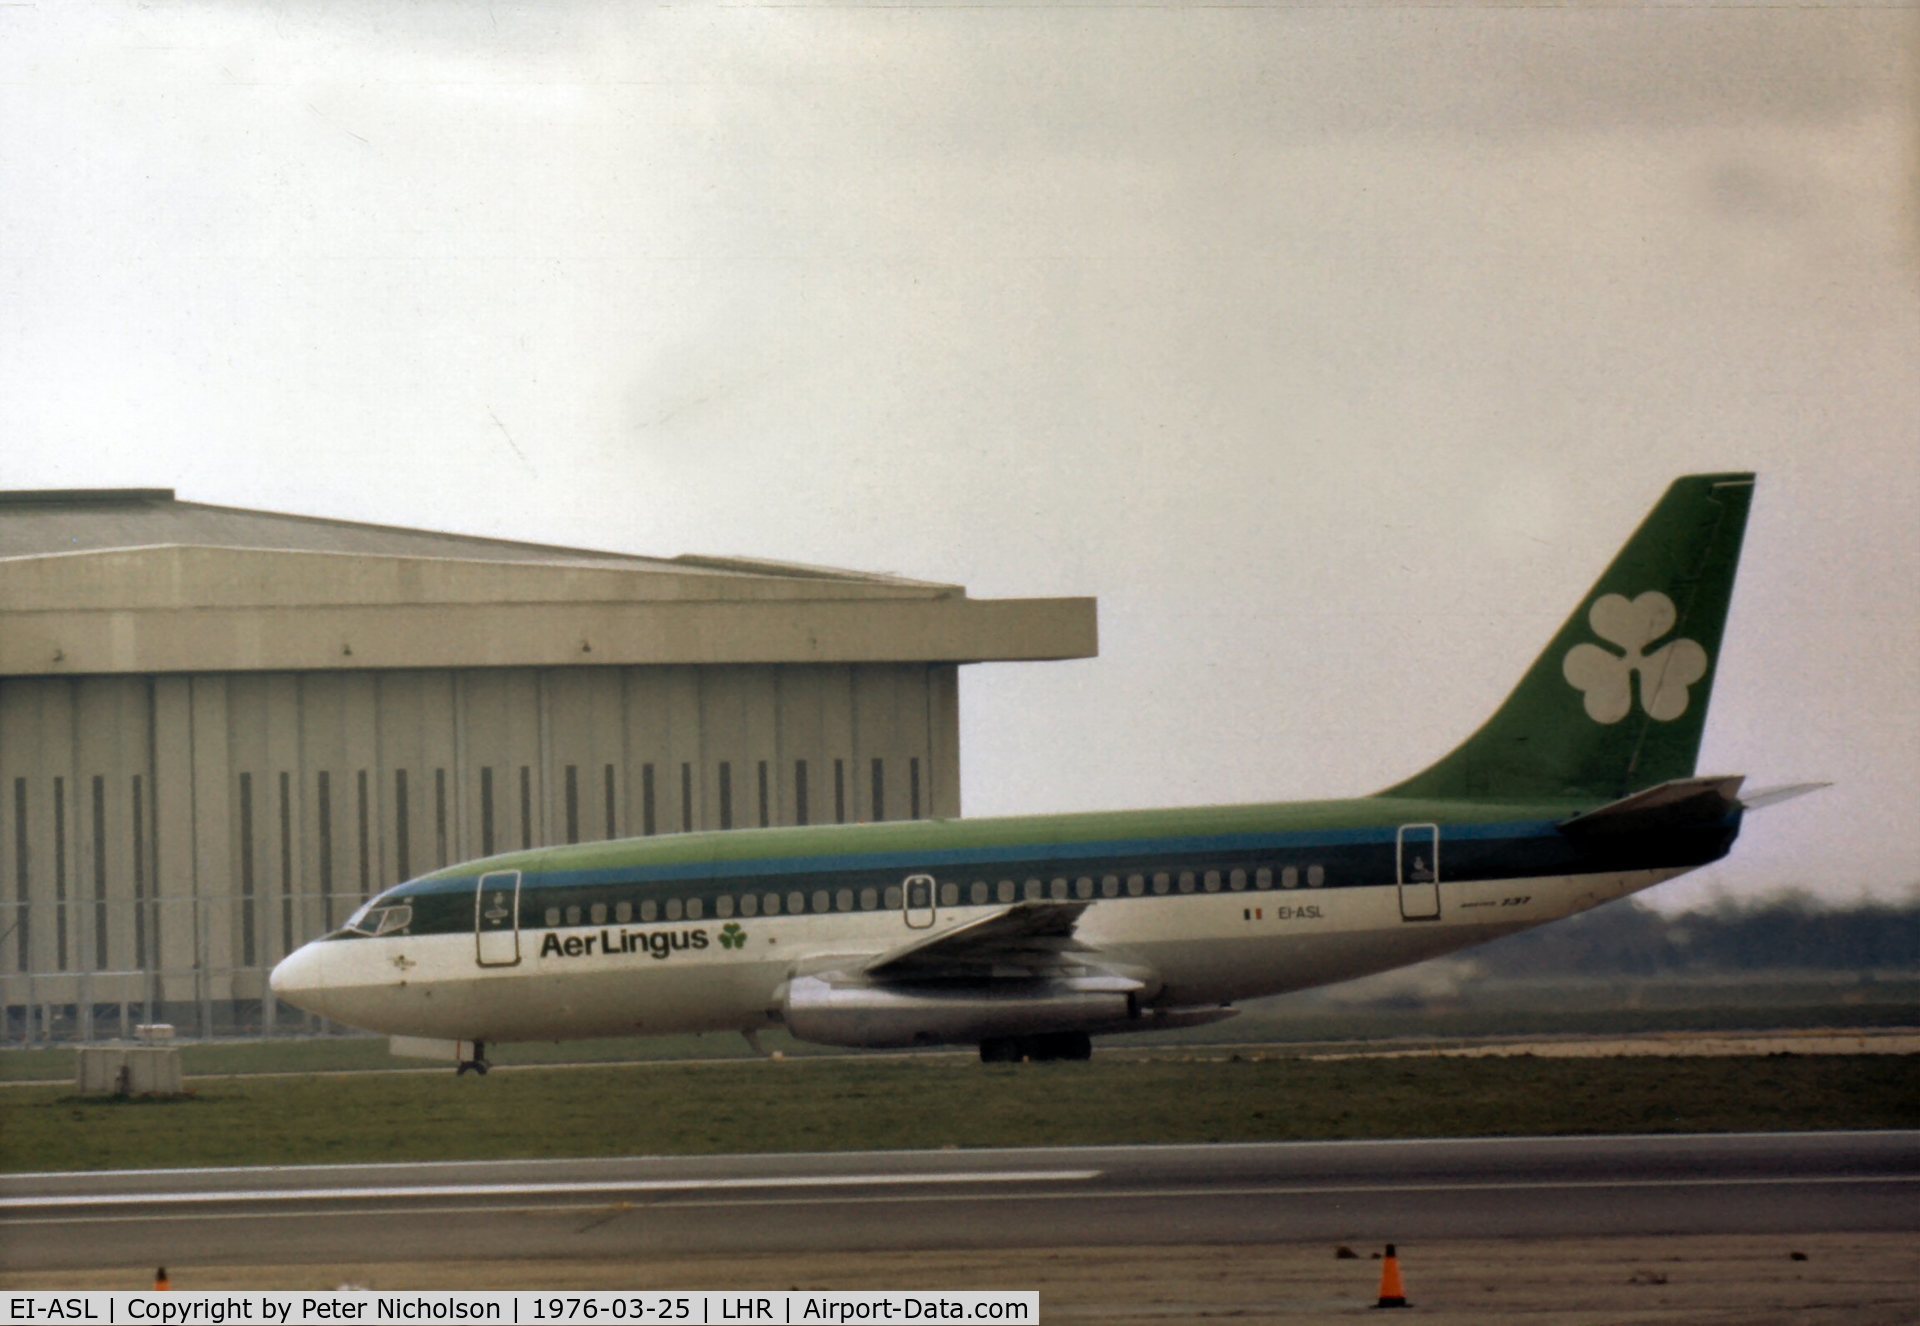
(530, 1189)
(1575, 1141)
(1134, 1194)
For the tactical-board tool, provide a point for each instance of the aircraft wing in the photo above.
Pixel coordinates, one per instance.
(1026, 939)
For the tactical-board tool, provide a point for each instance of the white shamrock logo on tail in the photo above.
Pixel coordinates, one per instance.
(1606, 678)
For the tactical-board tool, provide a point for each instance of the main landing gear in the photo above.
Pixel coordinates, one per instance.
(1036, 1049)
(479, 1063)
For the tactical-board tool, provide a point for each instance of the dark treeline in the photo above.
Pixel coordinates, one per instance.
(1628, 938)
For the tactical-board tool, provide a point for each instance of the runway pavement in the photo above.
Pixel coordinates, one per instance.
(946, 1200)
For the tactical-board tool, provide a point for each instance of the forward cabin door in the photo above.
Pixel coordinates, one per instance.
(916, 897)
(1419, 869)
(496, 919)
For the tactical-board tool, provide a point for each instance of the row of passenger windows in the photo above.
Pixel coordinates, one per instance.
(979, 893)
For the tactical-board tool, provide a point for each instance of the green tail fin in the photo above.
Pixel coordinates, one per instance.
(1618, 700)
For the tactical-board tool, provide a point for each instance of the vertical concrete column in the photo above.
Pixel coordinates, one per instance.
(943, 740)
(363, 810)
(18, 777)
(174, 884)
(327, 838)
(216, 880)
(281, 820)
(248, 731)
(44, 729)
(459, 779)
(544, 832)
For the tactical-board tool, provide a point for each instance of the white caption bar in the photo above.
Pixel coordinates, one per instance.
(368, 1307)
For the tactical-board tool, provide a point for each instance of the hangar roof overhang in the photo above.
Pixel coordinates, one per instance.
(134, 581)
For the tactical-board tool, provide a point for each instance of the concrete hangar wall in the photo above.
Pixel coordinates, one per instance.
(221, 730)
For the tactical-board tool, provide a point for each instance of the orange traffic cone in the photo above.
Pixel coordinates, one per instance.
(1393, 1294)
(160, 1282)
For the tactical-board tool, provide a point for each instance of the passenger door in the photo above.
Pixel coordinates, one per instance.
(1418, 858)
(916, 899)
(496, 919)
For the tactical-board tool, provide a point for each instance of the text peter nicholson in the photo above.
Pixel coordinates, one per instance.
(367, 1308)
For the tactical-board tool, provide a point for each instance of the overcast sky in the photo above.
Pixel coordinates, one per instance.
(1334, 348)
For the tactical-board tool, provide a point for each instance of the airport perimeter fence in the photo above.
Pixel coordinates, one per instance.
(83, 970)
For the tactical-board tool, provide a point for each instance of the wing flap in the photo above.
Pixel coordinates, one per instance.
(1025, 938)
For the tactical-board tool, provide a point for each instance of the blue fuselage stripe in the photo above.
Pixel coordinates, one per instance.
(1195, 846)
(1324, 858)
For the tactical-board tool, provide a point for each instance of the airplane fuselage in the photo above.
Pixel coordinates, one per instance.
(707, 932)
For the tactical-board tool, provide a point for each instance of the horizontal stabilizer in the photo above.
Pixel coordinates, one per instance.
(1773, 796)
(1681, 801)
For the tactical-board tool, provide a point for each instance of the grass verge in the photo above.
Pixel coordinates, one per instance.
(798, 1105)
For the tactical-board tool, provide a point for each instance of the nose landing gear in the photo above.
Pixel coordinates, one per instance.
(479, 1063)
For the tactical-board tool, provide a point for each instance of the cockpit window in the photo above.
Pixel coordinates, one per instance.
(380, 918)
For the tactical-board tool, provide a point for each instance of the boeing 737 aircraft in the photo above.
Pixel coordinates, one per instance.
(1028, 936)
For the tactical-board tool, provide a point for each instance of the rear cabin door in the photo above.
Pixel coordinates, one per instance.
(496, 919)
(916, 897)
(1419, 867)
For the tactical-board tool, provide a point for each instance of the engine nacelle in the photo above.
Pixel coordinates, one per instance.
(879, 1017)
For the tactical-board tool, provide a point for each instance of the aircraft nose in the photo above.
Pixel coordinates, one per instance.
(300, 978)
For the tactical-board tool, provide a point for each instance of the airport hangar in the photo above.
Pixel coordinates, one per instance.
(222, 729)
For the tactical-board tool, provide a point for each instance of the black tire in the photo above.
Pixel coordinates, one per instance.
(1060, 1045)
(1000, 1050)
